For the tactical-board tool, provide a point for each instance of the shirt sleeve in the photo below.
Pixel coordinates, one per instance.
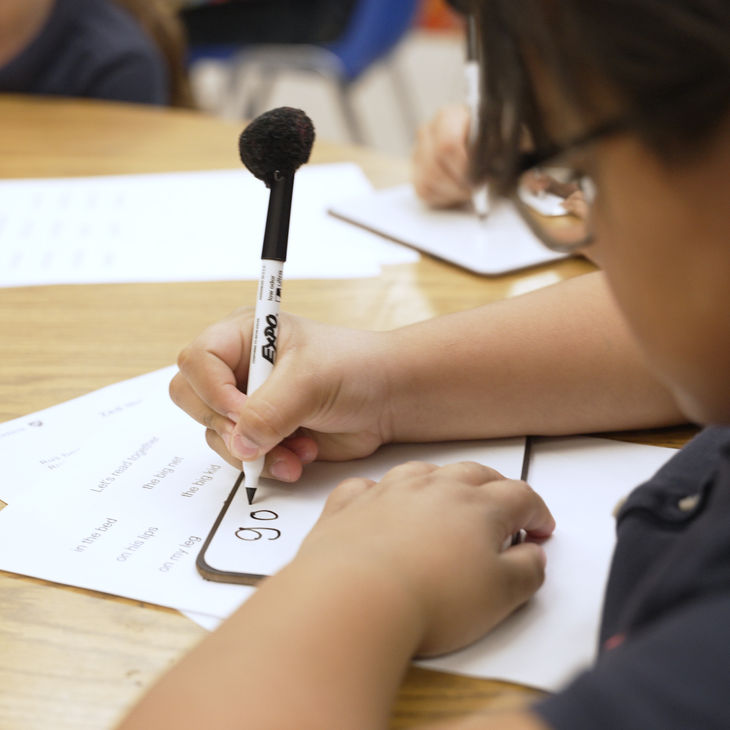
(672, 675)
(135, 78)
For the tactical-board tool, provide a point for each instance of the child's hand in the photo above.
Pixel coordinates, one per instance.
(440, 165)
(576, 204)
(326, 397)
(438, 534)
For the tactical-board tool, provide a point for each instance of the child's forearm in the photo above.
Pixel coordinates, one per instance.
(318, 646)
(556, 361)
(306, 652)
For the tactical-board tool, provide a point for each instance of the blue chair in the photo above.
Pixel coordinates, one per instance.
(370, 36)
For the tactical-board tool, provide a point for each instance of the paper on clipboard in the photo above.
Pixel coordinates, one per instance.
(499, 244)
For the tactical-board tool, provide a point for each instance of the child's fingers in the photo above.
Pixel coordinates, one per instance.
(522, 573)
(282, 463)
(345, 492)
(516, 506)
(408, 470)
(576, 204)
(218, 445)
(305, 447)
(210, 364)
(183, 395)
(470, 472)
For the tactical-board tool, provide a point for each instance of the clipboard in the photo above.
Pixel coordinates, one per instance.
(497, 245)
(250, 542)
(247, 543)
(210, 572)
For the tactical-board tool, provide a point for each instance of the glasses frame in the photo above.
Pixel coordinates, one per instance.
(547, 157)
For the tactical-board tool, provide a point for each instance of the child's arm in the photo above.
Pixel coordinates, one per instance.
(324, 644)
(556, 361)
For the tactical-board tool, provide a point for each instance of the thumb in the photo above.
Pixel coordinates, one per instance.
(274, 411)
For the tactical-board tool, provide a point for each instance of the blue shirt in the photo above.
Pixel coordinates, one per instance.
(664, 658)
(89, 48)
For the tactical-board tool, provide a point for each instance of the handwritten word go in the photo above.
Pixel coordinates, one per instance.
(249, 534)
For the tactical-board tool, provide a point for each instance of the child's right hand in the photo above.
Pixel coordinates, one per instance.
(440, 162)
(326, 397)
(429, 541)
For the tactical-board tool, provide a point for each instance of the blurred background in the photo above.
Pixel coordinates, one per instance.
(394, 63)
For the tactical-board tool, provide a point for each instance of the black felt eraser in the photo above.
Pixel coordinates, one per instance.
(277, 142)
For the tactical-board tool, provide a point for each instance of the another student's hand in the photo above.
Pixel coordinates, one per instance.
(434, 538)
(326, 397)
(576, 204)
(440, 162)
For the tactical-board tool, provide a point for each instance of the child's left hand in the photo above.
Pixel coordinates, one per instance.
(437, 534)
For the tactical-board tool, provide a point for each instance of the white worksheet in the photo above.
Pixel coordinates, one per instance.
(116, 492)
(126, 510)
(499, 244)
(180, 226)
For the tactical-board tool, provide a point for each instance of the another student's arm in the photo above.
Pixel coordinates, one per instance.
(325, 643)
(556, 361)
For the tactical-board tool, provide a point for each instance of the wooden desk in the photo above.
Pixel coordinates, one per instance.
(76, 659)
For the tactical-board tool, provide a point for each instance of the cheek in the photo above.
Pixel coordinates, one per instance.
(633, 246)
(670, 283)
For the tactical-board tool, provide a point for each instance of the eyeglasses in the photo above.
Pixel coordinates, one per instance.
(555, 198)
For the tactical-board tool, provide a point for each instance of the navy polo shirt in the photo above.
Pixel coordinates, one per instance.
(664, 659)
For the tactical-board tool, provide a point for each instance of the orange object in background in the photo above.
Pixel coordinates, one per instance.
(438, 15)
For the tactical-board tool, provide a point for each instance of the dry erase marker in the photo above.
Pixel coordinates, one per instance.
(480, 195)
(272, 147)
(263, 344)
(520, 535)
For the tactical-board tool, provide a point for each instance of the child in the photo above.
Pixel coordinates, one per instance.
(122, 50)
(633, 97)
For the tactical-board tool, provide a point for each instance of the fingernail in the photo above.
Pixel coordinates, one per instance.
(279, 469)
(243, 448)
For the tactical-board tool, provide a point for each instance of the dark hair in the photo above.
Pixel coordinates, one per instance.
(667, 62)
